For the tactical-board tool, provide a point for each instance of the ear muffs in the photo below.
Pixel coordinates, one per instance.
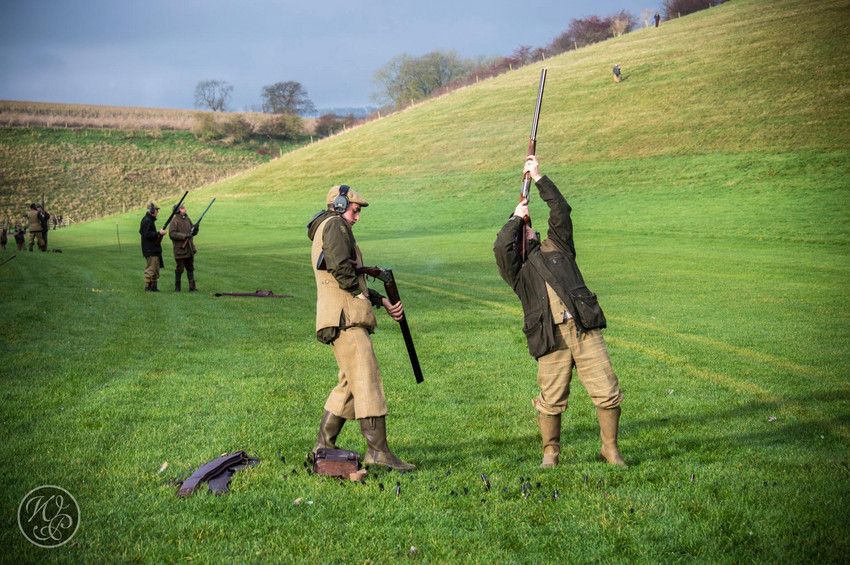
(340, 203)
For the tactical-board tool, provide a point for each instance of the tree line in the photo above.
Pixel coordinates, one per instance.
(406, 79)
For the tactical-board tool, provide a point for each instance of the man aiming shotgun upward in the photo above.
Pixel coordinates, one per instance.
(563, 320)
(345, 320)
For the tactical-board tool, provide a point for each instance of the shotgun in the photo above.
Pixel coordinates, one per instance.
(173, 212)
(524, 193)
(386, 275)
(196, 224)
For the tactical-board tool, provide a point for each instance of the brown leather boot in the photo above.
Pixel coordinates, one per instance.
(191, 275)
(378, 453)
(329, 429)
(550, 432)
(609, 423)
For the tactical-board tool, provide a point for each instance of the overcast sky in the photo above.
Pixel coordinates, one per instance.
(152, 53)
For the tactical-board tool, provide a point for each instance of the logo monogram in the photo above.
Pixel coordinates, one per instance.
(48, 516)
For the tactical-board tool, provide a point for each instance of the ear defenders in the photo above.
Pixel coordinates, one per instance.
(340, 202)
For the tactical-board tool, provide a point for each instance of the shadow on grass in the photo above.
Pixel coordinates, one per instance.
(705, 437)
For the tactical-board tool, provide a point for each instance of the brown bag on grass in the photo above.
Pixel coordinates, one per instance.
(335, 462)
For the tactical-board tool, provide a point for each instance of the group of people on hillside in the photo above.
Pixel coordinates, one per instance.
(181, 231)
(37, 223)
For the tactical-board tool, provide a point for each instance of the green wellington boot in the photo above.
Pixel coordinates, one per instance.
(329, 429)
(609, 423)
(378, 453)
(550, 433)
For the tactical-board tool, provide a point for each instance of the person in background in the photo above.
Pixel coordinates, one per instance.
(182, 232)
(151, 247)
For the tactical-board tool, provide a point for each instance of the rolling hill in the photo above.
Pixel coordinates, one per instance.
(712, 217)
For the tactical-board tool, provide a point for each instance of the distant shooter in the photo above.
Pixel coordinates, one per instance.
(151, 247)
(182, 232)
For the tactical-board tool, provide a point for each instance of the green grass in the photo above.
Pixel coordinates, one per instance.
(721, 258)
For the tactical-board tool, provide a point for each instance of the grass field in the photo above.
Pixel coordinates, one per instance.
(712, 217)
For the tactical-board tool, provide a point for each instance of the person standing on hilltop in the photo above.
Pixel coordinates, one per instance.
(151, 247)
(563, 320)
(182, 232)
(34, 217)
(345, 320)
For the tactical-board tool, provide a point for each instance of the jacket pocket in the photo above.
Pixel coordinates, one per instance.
(588, 311)
(539, 333)
(359, 312)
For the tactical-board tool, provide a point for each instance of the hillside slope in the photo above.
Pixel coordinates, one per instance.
(748, 76)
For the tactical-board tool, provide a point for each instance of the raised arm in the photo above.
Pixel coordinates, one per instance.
(505, 248)
(560, 229)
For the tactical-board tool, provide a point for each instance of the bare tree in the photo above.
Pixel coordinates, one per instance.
(675, 8)
(213, 94)
(288, 97)
(621, 22)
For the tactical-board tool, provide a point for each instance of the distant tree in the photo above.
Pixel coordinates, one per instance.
(288, 97)
(405, 79)
(522, 55)
(590, 30)
(676, 8)
(329, 124)
(213, 94)
(622, 22)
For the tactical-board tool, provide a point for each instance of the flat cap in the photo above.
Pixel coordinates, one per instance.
(352, 196)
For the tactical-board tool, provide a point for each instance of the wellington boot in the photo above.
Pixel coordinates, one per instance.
(177, 281)
(154, 287)
(609, 423)
(329, 429)
(550, 433)
(192, 287)
(378, 453)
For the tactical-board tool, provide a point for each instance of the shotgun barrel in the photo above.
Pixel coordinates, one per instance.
(386, 275)
(524, 193)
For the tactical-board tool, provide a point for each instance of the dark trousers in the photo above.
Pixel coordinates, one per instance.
(187, 264)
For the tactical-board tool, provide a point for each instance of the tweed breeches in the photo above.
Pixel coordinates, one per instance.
(360, 391)
(588, 354)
